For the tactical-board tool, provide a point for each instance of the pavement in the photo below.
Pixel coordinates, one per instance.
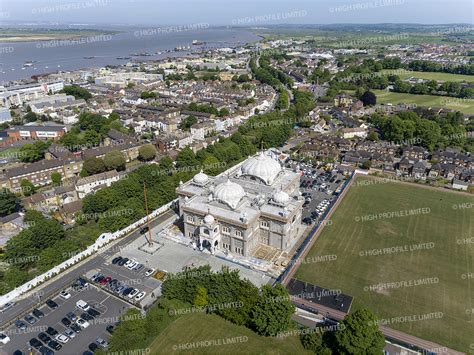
(51, 288)
(110, 308)
(173, 257)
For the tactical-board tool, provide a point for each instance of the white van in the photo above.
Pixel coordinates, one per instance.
(82, 305)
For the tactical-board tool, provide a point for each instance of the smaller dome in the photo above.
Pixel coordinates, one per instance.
(200, 178)
(281, 197)
(209, 219)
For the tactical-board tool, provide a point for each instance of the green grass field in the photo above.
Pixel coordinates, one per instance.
(197, 327)
(405, 74)
(386, 97)
(446, 260)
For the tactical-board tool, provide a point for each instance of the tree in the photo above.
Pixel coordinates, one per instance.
(77, 92)
(30, 117)
(27, 188)
(186, 124)
(211, 165)
(366, 165)
(186, 159)
(373, 136)
(313, 341)
(147, 152)
(9, 203)
(368, 98)
(200, 299)
(114, 160)
(360, 334)
(29, 153)
(56, 178)
(165, 166)
(94, 166)
(273, 311)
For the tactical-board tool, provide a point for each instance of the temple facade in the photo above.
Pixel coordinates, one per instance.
(256, 202)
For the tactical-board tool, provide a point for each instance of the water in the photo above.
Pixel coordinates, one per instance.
(52, 56)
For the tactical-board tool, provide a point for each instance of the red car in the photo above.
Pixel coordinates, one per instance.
(105, 281)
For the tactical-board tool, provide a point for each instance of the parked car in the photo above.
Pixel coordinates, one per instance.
(132, 265)
(66, 322)
(71, 316)
(45, 338)
(105, 280)
(37, 313)
(86, 316)
(35, 343)
(30, 319)
(92, 312)
(127, 291)
(53, 344)
(75, 327)
(116, 260)
(81, 282)
(18, 352)
(93, 347)
(140, 296)
(133, 293)
(51, 331)
(5, 339)
(20, 324)
(82, 323)
(46, 351)
(139, 267)
(70, 333)
(102, 343)
(110, 329)
(96, 276)
(65, 295)
(149, 272)
(82, 305)
(122, 262)
(51, 304)
(62, 338)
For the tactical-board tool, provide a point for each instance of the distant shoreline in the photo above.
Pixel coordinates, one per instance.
(21, 36)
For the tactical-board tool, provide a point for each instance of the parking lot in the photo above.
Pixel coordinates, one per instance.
(110, 309)
(130, 282)
(319, 187)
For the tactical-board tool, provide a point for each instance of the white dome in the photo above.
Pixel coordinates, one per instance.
(262, 167)
(200, 178)
(281, 197)
(209, 219)
(229, 193)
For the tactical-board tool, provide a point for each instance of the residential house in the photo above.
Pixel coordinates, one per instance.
(90, 184)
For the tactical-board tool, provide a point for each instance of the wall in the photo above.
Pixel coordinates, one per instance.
(102, 241)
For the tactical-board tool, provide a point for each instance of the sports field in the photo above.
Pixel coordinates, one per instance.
(463, 105)
(407, 253)
(200, 333)
(405, 74)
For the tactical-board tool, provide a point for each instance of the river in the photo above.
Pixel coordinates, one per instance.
(100, 50)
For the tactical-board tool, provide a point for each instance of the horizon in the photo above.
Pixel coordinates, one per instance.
(243, 13)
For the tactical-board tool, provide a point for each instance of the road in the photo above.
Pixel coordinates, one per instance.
(387, 332)
(55, 285)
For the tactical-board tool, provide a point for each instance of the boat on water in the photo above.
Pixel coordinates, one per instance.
(123, 58)
(198, 43)
(90, 57)
(29, 63)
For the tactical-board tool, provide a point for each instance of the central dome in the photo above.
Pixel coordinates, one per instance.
(229, 193)
(262, 167)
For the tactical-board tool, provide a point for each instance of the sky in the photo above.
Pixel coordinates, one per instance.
(236, 12)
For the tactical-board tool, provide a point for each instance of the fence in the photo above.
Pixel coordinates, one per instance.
(103, 240)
